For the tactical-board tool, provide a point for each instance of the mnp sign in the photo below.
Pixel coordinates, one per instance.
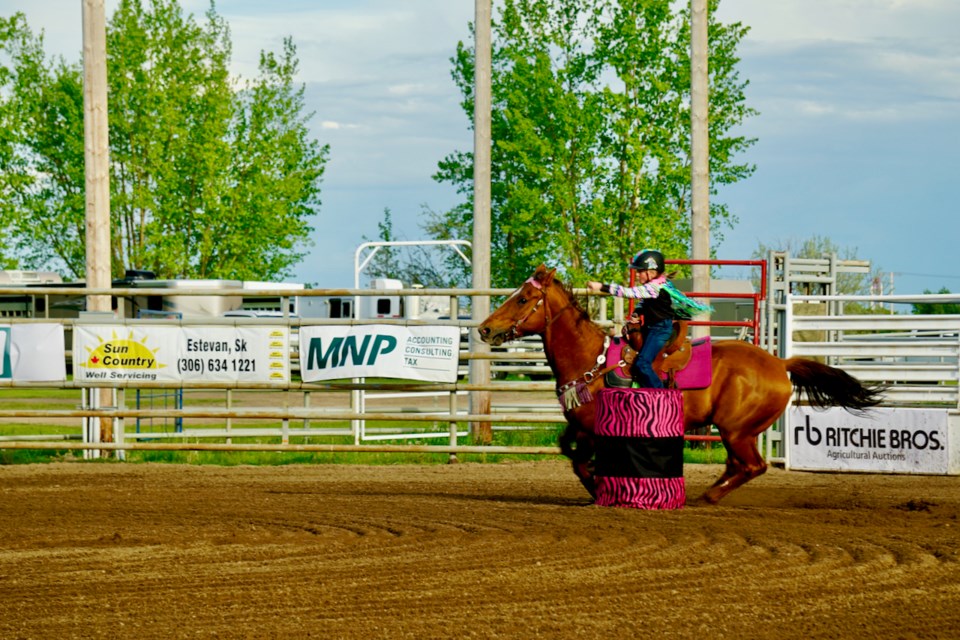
(430, 354)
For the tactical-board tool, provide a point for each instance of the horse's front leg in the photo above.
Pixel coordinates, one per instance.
(577, 444)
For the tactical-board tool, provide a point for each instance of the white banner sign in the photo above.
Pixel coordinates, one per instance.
(888, 440)
(33, 352)
(177, 354)
(381, 351)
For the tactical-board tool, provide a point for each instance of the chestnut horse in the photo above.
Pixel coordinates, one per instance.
(750, 387)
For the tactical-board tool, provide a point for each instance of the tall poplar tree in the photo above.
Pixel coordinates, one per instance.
(591, 130)
(211, 176)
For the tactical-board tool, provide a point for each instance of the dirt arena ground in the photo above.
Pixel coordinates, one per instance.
(512, 550)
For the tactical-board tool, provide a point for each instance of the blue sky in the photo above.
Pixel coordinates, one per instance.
(858, 132)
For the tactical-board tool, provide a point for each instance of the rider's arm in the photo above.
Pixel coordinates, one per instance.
(643, 291)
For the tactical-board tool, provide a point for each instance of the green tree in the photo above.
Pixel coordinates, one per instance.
(930, 308)
(591, 126)
(41, 150)
(817, 246)
(210, 177)
(384, 263)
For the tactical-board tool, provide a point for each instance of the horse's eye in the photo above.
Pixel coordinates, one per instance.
(523, 300)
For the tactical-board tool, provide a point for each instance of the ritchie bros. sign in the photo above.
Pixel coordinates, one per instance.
(886, 440)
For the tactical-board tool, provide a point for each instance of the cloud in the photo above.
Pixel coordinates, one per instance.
(846, 20)
(408, 89)
(858, 99)
(856, 60)
(355, 41)
(886, 81)
(330, 124)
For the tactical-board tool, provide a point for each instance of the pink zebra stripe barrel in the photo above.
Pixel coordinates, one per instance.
(639, 448)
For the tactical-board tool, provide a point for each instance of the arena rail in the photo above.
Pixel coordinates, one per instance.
(316, 421)
(531, 415)
(507, 359)
(917, 357)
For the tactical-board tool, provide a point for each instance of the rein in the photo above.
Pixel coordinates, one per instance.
(514, 332)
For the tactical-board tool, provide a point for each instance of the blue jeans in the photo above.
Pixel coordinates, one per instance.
(655, 336)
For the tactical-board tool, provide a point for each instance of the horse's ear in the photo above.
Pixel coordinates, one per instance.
(543, 275)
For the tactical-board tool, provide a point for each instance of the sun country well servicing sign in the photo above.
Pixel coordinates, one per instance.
(895, 440)
(120, 353)
(429, 353)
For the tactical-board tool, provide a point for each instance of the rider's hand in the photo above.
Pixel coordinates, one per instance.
(594, 286)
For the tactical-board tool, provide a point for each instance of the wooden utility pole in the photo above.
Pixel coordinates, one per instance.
(479, 368)
(699, 150)
(97, 167)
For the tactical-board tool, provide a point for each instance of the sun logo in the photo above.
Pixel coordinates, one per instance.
(122, 353)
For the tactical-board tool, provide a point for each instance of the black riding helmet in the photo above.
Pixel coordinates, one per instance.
(648, 259)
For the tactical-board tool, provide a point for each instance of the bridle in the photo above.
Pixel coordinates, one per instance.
(575, 392)
(514, 331)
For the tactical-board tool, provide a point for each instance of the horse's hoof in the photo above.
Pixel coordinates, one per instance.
(707, 500)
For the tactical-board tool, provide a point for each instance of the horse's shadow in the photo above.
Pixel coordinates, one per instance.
(552, 501)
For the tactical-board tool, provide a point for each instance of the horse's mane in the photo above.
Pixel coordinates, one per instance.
(574, 300)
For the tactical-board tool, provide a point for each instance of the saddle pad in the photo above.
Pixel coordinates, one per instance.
(698, 374)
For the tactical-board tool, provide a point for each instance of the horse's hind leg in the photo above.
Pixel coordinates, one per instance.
(732, 469)
(744, 463)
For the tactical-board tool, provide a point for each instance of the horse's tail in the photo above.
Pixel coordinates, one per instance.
(831, 387)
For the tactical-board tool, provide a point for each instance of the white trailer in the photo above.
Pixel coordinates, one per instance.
(410, 306)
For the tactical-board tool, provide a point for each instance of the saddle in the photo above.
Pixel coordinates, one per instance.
(674, 356)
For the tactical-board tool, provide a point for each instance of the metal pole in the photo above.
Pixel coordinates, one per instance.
(480, 369)
(699, 151)
(97, 168)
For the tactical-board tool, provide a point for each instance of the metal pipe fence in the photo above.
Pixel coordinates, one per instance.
(316, 421)
(916, 357)
(524, 357)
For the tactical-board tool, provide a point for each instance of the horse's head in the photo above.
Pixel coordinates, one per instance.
(517, 316)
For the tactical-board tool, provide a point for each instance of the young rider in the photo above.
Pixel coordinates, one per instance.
(660, 302)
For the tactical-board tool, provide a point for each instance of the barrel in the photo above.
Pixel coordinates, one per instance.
(639, 448)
